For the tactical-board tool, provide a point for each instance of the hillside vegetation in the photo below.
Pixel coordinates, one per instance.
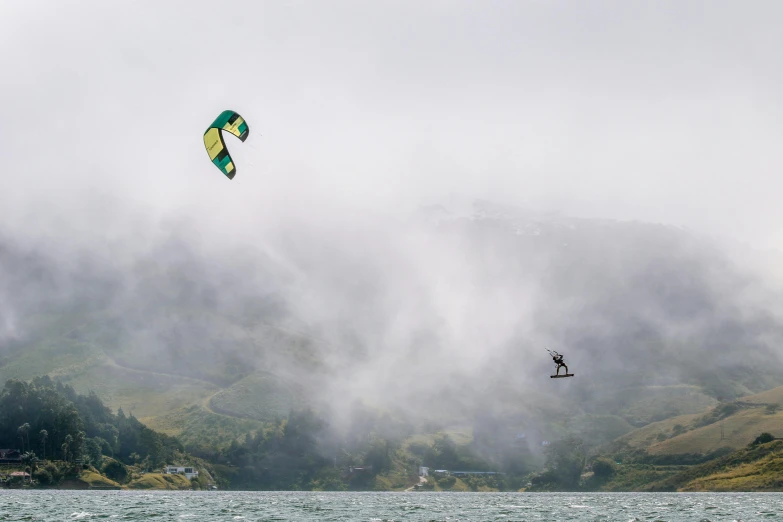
(434, 326)
(727, 425)
(723, 448)
(160, 481)
(755, 468)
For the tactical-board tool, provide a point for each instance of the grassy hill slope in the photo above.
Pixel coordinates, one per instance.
(160, 481)
(261, 396)
(755, 468)
(69, 349)
(738, 430)
(728, 425)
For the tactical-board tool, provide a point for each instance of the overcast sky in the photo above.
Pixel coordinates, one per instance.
(666, 111)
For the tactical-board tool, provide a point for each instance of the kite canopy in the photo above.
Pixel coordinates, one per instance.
(232, 122)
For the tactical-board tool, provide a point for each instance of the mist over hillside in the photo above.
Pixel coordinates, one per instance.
(436, 316)
(427, 197)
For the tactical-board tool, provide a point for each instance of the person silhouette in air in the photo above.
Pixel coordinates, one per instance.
(559, 362)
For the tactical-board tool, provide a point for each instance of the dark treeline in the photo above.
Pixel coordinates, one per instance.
(50, 420)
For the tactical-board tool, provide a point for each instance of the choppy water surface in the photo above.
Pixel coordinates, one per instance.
(378, 507)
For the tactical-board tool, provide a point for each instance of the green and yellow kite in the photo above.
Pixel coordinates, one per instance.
(228, 121)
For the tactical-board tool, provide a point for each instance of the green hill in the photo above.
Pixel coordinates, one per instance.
(707, 451)
(442, 323)
(727, 425)
(160, 481)
(161, 394)
(755, 468)
(260, 396)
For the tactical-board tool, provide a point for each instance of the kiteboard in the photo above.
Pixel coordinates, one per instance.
(561, 376)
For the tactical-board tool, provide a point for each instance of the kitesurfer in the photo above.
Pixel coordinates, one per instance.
(559, 362)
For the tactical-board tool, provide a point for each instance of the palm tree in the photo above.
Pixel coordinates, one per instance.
(66, 446)
(23, 430)
(42, 435)
(29, 459)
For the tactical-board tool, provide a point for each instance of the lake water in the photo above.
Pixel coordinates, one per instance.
(63, 505)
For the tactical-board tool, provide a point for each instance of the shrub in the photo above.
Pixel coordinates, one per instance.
(603, 468)
(43, 476)
(447, 482)
(763, 439)
(115, 470)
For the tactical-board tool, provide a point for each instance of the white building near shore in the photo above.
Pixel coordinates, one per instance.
(188, 472)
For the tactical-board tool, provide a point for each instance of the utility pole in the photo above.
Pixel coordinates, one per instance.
(721, 431)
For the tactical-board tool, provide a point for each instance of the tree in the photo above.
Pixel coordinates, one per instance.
(443, 453)
(379, 456)
(111, 435)
(29, 459)
(763, 439)
(93, 449)
(66, 447)
(116, 471)
(603, 468)
(42, 436)
(565, 459)
(24, 432)
(77, 446)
